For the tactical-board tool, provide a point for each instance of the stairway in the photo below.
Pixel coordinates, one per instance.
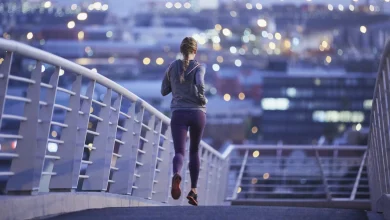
(220, 212)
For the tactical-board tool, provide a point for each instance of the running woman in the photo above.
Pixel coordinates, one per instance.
(185, 79)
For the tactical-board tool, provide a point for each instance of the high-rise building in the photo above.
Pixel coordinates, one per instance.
(301, 109)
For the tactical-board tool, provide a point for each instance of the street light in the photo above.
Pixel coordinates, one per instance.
(363, 29)
(262, 23)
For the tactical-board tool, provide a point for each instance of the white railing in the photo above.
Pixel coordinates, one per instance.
(288, 174)
(66, 128)
(379, 138)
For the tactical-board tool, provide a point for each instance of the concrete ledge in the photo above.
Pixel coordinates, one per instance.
(356, 204)
(384, 206)
(48, 204)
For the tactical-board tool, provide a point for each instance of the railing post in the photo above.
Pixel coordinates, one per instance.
(110, 158)
(202, 190)
(127, 156)
(32, 147)
(224, 179)
(5, 69)
(357, 181)
(164, 175)
(239, 177)
(324, 179)
(135, 149)
(67, 169)
(147, 171)
(209, 178)
(97, 176)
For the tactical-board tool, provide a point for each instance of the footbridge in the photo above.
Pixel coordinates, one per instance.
(76, 145)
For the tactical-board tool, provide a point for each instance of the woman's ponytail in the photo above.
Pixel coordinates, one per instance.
(188, 46)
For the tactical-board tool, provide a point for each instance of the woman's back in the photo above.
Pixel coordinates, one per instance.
(187, 93)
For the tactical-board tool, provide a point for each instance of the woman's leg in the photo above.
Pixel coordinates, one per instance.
(197, 125)
(179, 135)
(179, 129)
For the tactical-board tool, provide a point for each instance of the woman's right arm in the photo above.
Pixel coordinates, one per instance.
(201, 85)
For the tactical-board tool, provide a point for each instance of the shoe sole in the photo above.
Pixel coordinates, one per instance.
(192, 201)
(176, 191)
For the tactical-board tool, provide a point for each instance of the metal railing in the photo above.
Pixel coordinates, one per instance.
(379, 138)
(66, 128)
(327, 175)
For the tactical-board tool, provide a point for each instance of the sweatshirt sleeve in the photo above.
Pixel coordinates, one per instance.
(201, 85)
(166, 84)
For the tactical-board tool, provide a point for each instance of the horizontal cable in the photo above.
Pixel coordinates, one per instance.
(86, 162)
(89, 147)
(46, 85)
(154, 192)
(99, 103)
(62, 107)
(137, 175)
(83, 176)
(96, 117)
(119, 141)
(111, 181)
(84, 97)
(93, 132)
(144, 139)
(59, 124)
(1, 76)
(66, 91)
(43, 103)
(56, 141)
(158, 170)
(134, 187)
(121, 128)
(81, 113)
(21, 79)
(165, 137)
(126, 115)
(7, 173)
(139, 163)
(161, 148)
(11, 136)
(136, 120)
(14, 117)
(49, 173)
(155, 181)
(141, 151)
(159, 159)
(8, 155)
(17, 98)
(113, 109)
(52, 157)
(117, 155)
(146, 126)
(114, 168)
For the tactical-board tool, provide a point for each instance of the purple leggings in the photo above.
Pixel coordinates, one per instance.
(181, 121)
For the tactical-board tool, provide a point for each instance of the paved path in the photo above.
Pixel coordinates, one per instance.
(217, 212)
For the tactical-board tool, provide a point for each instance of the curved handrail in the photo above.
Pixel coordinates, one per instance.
(46, 57)
(377, 139)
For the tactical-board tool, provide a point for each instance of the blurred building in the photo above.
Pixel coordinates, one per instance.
(298, 109)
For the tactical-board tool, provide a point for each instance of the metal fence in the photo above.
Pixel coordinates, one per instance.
(329, 176)
(379, 139)
(67, 128)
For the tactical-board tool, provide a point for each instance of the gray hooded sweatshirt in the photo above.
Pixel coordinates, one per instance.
(189, 95)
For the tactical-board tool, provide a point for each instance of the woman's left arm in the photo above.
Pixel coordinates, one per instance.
(166, 84)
